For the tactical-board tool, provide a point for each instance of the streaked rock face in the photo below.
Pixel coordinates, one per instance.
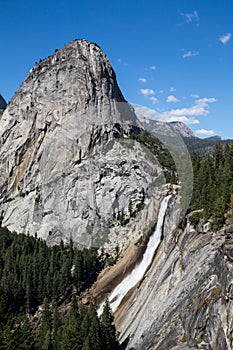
(185, 301)
(67, 165)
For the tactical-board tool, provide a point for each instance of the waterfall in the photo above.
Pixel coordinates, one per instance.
(138, 272)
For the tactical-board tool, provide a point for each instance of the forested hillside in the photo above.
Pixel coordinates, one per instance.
(157, 148)
(203, 146)
(31, 273)
(213, 186)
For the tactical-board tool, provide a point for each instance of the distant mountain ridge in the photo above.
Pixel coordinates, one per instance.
(214, 138)
(193, 143)
(205, 145)
(182, 129)
(196, 144)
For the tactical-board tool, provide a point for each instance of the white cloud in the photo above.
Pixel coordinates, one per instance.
(151, 68)
(142, 80)
(147, 92)
(204, 132)
(163, 116)
(195, 95)
(188, 115)
(191, 17)
(121, 61)
(190, 54)
(154, 100)
(225, 38)
(172, 98)
(172, 89)
(200, 108)
(206, 100)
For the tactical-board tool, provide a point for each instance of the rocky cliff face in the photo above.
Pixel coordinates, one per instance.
(67, 165)
(182, 129)
(175, 127)
(185, 300)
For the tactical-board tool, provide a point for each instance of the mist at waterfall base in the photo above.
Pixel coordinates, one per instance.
(138, 272)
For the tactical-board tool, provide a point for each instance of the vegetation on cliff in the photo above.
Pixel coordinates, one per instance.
(213, 186)
(160, 151)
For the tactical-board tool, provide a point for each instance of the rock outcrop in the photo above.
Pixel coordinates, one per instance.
(182, 129)
(68, 167)
(176, 127)
(185, 300)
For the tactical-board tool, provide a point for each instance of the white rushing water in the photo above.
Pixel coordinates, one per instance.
(138, 272)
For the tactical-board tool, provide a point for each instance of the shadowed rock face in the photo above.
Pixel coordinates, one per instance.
(67, 165)
(3, 104)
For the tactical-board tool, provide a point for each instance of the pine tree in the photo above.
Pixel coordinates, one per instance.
(95, 333)
(229, 215)
(108, 328)
(218, 213)
(74, 309)
(85, 327)
(56, 324)
(92, 335)
(28, 293)
(44, 340)
(70, 334)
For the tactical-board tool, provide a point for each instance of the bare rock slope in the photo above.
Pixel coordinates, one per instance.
(185, 300)
(67, 164)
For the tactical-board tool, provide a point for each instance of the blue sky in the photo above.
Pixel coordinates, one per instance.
(173, 58)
